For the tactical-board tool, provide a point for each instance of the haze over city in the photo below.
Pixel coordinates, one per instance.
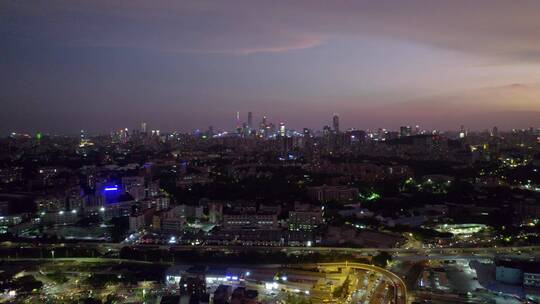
(182, 65)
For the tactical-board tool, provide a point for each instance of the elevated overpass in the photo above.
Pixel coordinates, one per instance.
(400, 289)
(424, 251)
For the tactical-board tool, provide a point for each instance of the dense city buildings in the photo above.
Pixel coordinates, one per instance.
(270, 152)
(146, 193)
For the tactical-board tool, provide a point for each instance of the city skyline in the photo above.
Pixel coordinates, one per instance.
(103, 65)
(265, 152)
(249, 124)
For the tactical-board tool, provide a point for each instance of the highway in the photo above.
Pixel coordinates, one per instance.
(400, 289)
(399, 292)
(367, 251)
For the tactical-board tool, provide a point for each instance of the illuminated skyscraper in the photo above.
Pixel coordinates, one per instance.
(462, 132)
(238, 124)
(326, 130)
(143, 127)
(124, 135)
(335, 123)
(262, 127)
(250, 120)
(282, 129)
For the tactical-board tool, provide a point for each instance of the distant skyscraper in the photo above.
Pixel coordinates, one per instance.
(143, 127)
(326, 130)
(335, 123)
(124, 134)
(405, 131)
(250, 120)
(495, 131)
(84, 141)
(462, 132)
(282, 129)
(238, 124)
(245, 129)
(262, 127)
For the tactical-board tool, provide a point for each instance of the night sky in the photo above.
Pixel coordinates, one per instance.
(179, 65)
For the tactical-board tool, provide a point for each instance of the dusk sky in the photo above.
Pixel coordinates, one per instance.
(179, 65)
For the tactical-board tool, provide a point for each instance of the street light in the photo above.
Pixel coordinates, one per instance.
(52, 253)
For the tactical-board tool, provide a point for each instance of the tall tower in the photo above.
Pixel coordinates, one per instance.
(495, 131)
(462, 132)
(282, 129)
(335, 123)
(143, 127)
(250, 120)
(238, 124)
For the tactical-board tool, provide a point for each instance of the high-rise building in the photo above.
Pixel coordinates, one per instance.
(271, 129)
(326, 130)
(405, 131)
(143, 127)
(250, 120)
(263, 124)
(495, 131)
(84, 140)
(124, 135)
(335, 123)
(282, 129)
(462, 132)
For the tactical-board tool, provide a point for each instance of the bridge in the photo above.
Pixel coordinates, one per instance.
(400, 289)
(416, 251)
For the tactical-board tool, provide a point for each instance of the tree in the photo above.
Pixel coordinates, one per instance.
(343, 290)
(382, 259)
(295, 299)
(91, 301)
